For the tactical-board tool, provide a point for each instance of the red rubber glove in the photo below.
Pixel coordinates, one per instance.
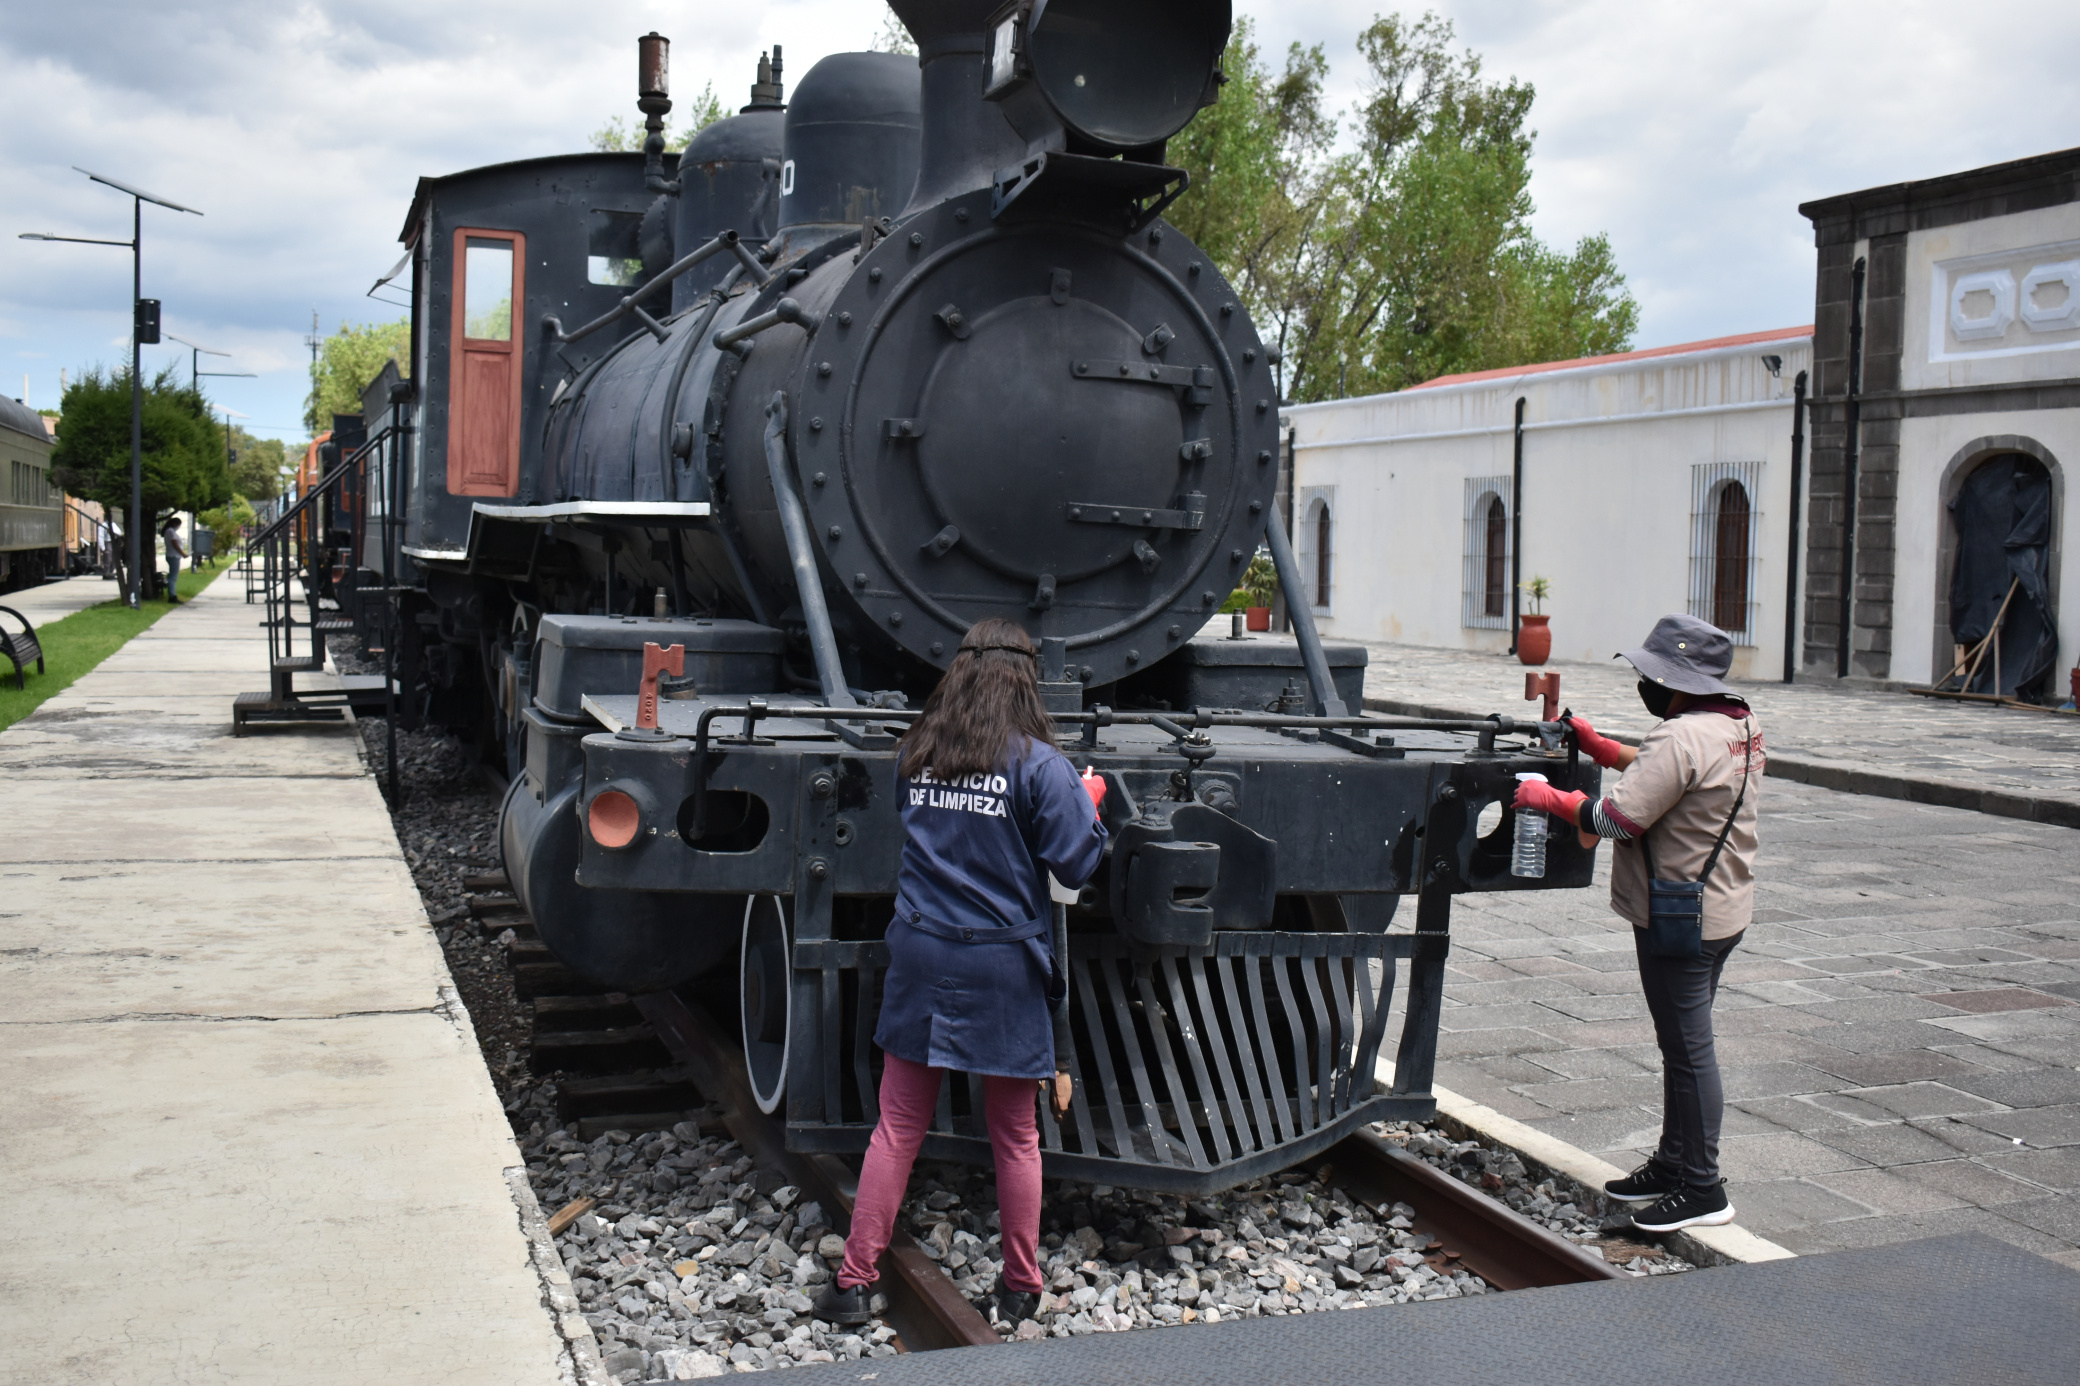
(1543, 798)
(1595, 745)
(1094, 785)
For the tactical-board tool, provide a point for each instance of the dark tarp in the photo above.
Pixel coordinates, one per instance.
(2003, 519)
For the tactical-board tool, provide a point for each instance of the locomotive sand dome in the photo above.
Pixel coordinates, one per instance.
(920, 349)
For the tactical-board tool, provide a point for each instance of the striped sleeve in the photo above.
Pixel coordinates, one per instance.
(1601, 818)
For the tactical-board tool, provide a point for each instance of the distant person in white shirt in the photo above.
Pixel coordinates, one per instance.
(175, 552)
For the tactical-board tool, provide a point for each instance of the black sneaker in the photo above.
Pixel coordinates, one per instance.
(850, 1307)
(1687, 1207)
(1012, 1307)
(1650, 1181)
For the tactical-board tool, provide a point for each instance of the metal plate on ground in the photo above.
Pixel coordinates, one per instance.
(1942, 1310)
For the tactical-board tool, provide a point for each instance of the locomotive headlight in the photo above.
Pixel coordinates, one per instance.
(1003, 53)
(1118, 76)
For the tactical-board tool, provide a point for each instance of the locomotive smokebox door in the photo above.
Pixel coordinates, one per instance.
(1062, 422)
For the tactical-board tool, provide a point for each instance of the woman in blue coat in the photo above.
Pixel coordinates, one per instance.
(990, 809)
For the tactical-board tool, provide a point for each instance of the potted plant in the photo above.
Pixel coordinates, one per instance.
(1534, 636)
(1260, 588)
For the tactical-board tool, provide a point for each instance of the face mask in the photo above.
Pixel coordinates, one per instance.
(1657, 698)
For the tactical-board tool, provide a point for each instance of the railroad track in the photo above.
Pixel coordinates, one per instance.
(646, 1062)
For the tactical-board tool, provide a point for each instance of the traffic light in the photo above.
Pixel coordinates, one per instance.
(148, 322)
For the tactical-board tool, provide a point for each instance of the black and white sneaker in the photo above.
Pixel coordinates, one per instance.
(850, 1305)
(1649, 1182)
(1010, 1307)
(1687, 1207)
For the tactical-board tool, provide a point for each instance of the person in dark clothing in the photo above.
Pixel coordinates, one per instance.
(990, 810)
(1693, 784)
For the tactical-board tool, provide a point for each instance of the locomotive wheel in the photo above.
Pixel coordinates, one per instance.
(765, 992)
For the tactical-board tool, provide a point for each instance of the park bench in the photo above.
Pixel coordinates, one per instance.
(20, 648)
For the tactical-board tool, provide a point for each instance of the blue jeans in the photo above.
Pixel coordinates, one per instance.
(173, 578)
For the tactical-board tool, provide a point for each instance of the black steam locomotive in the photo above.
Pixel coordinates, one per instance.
(705, 465)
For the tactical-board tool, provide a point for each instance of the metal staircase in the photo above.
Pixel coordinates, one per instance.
(289, 567)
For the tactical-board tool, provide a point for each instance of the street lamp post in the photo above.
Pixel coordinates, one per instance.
(137, 301)
(196, 351)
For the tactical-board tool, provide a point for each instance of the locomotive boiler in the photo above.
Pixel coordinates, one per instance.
(712, 462)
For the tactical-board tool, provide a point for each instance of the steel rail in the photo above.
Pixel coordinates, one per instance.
(924, 1307)
(1485, 1235)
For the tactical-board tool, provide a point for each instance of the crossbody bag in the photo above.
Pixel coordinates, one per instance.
(1675, 909)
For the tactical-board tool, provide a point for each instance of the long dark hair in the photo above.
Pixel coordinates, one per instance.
(990, 694)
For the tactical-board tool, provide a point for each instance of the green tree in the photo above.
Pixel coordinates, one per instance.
(894, 38)
(258, 465)
(183, 457)
(347, 361)
(225, 521)
(620, 136)
(1406, 253)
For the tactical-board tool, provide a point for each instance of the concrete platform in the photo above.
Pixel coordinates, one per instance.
(53, 601)
(249, 1131)
(1929, 1313)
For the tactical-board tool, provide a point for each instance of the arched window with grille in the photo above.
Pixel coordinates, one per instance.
(1724, 520)
(1730, 558)
(1484, 584)
(1324, 553)
(1314, 545)
(1495, 554)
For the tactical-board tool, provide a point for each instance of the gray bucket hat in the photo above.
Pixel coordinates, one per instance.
(1685, 654)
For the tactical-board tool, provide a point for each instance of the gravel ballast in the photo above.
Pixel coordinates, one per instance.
(692, 1262)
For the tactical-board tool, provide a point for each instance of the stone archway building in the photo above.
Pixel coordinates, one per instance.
(1958, 301)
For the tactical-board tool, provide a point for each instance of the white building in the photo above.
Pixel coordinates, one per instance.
(1944, 408)
(1650, 482)
(1948, 341)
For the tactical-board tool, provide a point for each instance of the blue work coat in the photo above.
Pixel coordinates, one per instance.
(971, 950)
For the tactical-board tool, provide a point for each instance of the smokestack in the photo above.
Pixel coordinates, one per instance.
(966, 139)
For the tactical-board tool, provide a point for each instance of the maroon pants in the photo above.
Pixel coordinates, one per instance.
(909, 1094)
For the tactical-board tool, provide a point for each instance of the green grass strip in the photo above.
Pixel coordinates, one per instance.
(73, 645)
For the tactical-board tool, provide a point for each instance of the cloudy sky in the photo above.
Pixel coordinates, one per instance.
(1690, 132)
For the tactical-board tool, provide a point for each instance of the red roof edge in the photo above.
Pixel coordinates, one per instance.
(1744, 339)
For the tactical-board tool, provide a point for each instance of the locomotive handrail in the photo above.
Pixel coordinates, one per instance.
(728, 240)
(786, 310)
(755, 709)
(1320, 682)
(794, 525)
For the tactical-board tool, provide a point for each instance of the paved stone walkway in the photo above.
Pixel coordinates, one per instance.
(248, 1132)
(1998, 760)
(1898, 1030)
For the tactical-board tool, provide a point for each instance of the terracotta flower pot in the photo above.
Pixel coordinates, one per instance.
(1534, 640)
(1257, 617)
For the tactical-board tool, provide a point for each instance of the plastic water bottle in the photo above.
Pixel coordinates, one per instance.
(1528, 853)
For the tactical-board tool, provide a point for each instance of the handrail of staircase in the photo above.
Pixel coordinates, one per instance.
(325, 483)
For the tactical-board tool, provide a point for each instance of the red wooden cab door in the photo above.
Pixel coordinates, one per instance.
(490, 281)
